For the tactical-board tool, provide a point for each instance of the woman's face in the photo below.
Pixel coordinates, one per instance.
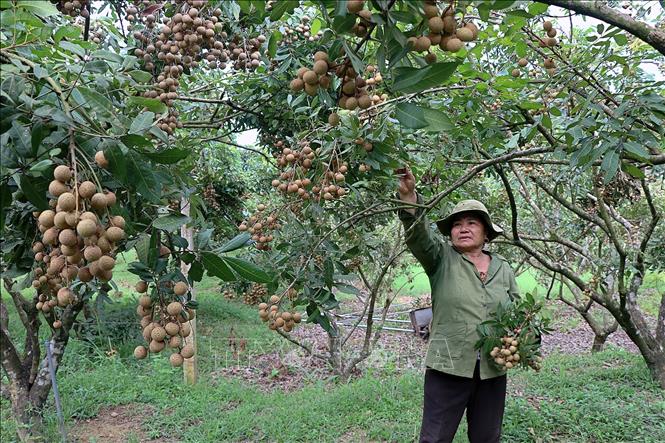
(468, 233)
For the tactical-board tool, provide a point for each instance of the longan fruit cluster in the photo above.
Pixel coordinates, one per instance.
(296, 163)
(276, 319)
(165, 323)
(97, 34)
(354, 93)
(211, 196)
(507, 356)
(194, 34)
(255, 293)
(78, 239)
(311, 79)
(330, 187)
(444, 31)
(261, 225)
(361, 27)
(73, 8)
(301, 31)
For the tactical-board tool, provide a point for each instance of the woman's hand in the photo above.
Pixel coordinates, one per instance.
(407, 187)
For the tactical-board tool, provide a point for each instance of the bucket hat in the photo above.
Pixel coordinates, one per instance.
(475, 207)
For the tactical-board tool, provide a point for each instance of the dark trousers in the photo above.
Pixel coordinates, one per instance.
(446, 398)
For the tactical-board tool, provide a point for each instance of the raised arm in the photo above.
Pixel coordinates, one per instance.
(419, 238)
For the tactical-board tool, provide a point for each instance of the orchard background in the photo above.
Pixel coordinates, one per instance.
(209, 185)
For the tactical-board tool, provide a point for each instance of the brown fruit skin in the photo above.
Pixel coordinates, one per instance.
(174, 342)
(172, 328)
(57, 188)
(118, 221)
(110, 199)
(311, 78)
(523, 62)
(87, 189)
(67, 201)
(86, 228)
(464, 34)
(430, 58)
(449, 24)
(106, 263)
(187, 351)
(515, 72)
(115, 234)
(174, 308)
(364, 102)
(355, 6)
(349, 88)
(549, 63)
(320, 55)
(474, 29)
(62, 173)
(311, 90)
(176, 360)
(297, 85)
(46, 218)
(158, 333)
(68, 237)
(320, 67)
(423, 44)
(547, 25)
(141, 286)
(157, 346)
(140, 352)
(351, 103)
(185, 329)
(98, 201)
(435, 24)
(551, 33)
(84, 275)
(434, 39)
(101, 161)
(454, 44)
(431, 11)
(180, 288)
(145, 301)
(333, 119)
(92, 253)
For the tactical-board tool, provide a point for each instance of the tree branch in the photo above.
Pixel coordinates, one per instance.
(599, 9)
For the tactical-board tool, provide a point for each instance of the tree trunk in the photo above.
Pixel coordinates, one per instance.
(28, 420)
(598, 342)
(657, 369)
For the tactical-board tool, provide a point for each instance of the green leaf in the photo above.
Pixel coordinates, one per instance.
(168, 156)
(315, 27)
(40, 8)
(69, 32)
(275, 37)
(621, 39)
(141, 77)
(216, 267)
(72, 47)
(417, 117)
(536, 8)
(633, 170)
(142, 122)
(152, 104)
(610, 165)
(247, 270)
(281, 7)
(408, 80)
(5, 201)
(136, 141)
(170, 222)
(32, 192)
(95, 100)
(356, 61)
(342, 24)
(637, 150)
(236, 242)
(39, 133)
(142, 247)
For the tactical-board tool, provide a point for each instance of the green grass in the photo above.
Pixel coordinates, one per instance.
(603, 397)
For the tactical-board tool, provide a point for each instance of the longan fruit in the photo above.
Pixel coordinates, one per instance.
(454, 44)
(101, 160)
(435, 24)
(141, 286)
(86, 228)
(57, 188)
(158, 333)
(62, 173)
(522, 62)
(157, 346)
(355, 6)
(174, 308)
(423, 44)
(176, 360)
(320, 67)
(311, 78)
(172, 328)
(333, 119)
(464, 34)
(140, 352)
(180, 288)
(115, 234)
(187, 351)
(87, 189)
(67, 201)
(297, 85)
(320, 55)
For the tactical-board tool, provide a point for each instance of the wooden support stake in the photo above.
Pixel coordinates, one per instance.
(190, 366)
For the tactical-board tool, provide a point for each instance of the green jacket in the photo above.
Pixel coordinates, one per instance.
(460, 300)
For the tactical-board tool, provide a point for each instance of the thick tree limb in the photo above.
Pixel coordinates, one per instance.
(599, 9)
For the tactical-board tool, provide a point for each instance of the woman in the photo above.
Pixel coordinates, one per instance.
(467, 284)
